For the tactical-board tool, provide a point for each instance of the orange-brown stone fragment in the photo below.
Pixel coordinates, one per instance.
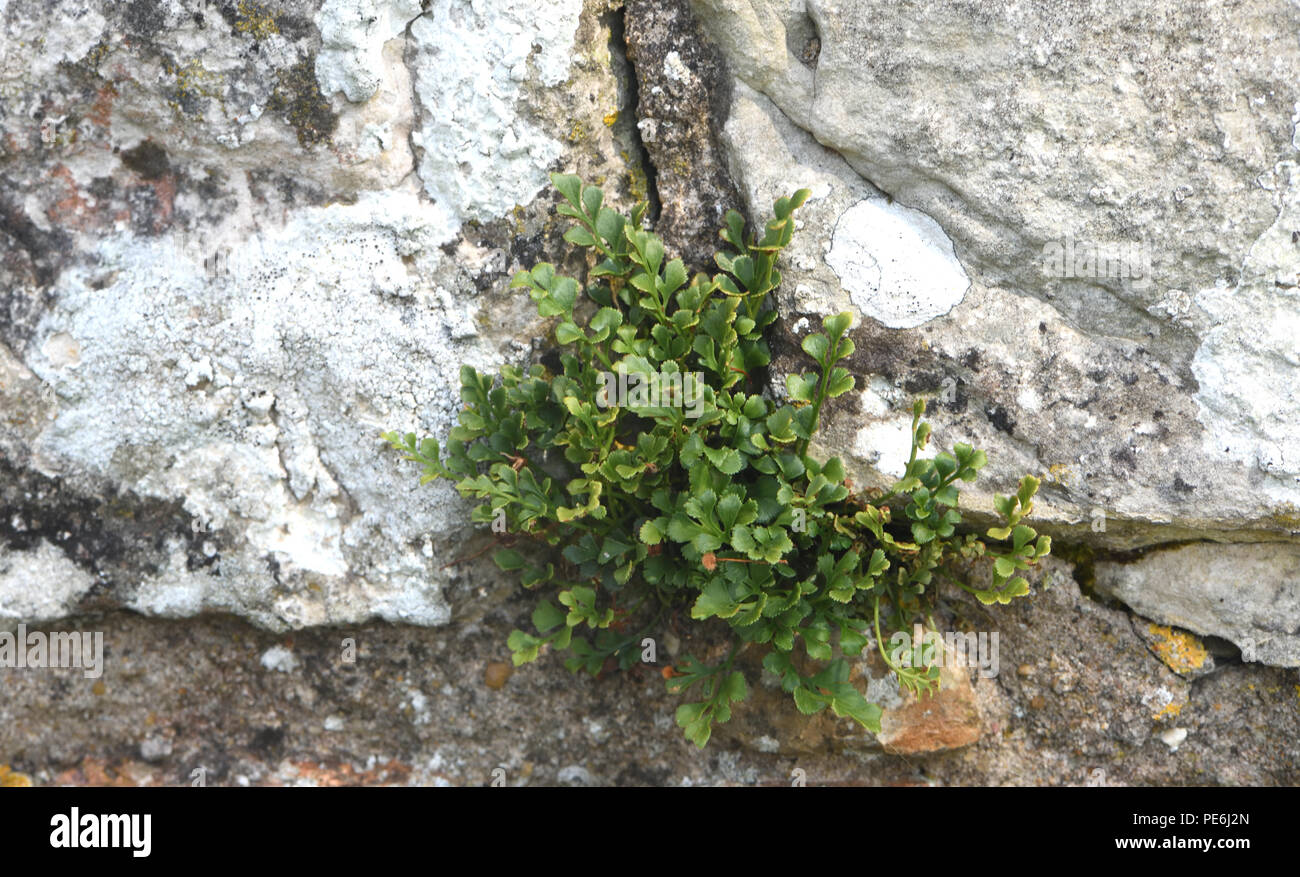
(948, 719)
(497, 674)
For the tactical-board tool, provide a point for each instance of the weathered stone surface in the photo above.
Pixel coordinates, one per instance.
(1160, 405)
(479, 152)
(1157, 404)
(682, 91)
(1079, 699)
(1249, 594)
(946, 719)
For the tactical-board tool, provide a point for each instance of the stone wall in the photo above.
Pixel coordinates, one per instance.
(238, 240)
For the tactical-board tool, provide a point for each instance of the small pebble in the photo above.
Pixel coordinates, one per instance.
(575, 775)
(1173, 738)
(497, 674)
(279, 658)
(155, 748)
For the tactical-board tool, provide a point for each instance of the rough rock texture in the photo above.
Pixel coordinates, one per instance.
(235, 252)
(682, 96)
(1080, 699)
(238, 239)
(1244, 593)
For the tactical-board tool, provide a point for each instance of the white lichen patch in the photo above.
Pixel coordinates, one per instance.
(257, 397)
(40, 584)
(896, 263)
(886, 445)
(280, 659)
(1248, 364)
(75, 28)
(473, 61)
(353, 33)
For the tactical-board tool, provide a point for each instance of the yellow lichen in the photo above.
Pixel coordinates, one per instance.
(611, 119)
(10, 779)
(255, 20)
(1180, 651)
(192, 82)
(637, 184)
(1170, 711)
(1059, 473)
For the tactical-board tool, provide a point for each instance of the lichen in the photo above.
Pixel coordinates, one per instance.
(1180, 651)
(298, 100)
(577, 132)
(1286, 515)
(638, 186)
(193, 84)
(254, 19)
(10, 779)
(1170, 711)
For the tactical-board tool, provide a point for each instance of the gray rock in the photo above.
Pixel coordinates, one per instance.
(1249, 594)
(225, 714)
(237, 243)
(1157, 399)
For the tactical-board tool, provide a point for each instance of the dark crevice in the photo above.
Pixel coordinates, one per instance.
(683, 98)
(629, 99)
(409, 53)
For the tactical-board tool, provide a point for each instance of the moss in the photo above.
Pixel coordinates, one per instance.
(1084, 559)
(1286, 515)
(638, 186)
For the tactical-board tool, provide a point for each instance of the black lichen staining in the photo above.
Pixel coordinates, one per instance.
(144, 18)
(148, 160)
(118, 536)
(921, 382)
(1124, 457)
(45, 251)
(288, 190)
(1000, 419)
